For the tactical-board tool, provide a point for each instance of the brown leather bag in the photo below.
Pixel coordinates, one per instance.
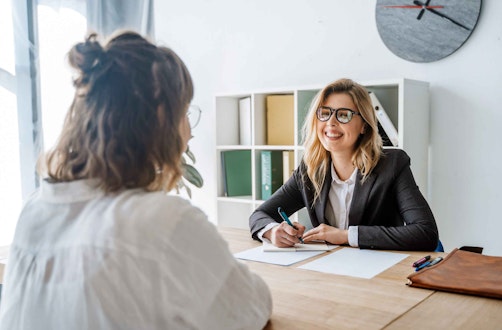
(462, 272)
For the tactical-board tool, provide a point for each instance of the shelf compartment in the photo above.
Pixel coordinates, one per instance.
(234, 212)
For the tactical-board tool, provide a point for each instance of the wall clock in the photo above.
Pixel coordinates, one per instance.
(427, 30)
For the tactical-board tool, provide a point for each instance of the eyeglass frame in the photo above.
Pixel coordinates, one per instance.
(335, 111)
(192, 110)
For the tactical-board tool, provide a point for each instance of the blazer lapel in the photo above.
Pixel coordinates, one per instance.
(360, 198)
(320, 206)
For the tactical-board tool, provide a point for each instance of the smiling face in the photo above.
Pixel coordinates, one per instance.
(337, 138)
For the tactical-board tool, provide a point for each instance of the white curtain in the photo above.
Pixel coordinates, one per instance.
(106, 16)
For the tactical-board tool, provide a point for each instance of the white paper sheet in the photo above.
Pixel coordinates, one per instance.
(355, 262)
(317, 246)
(283, 258)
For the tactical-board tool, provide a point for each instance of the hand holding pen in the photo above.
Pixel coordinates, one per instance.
(286, 234)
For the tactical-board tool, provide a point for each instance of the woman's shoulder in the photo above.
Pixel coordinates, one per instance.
(393, 158)
(394, 153)
(158, 216)
(153, 203)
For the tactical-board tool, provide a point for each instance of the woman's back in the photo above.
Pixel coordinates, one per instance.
(82, 259)
(100, 245)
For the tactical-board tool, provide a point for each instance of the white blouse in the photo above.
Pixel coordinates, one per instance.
(339, 202)
(81, 259)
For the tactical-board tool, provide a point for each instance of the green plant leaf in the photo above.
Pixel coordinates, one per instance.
(190, 174)
(193, 176)
(190, 154)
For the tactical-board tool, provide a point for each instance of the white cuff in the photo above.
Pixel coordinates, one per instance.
(353, 236)
(265, 229)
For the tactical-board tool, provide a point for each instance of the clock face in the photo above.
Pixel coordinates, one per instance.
(427, 30)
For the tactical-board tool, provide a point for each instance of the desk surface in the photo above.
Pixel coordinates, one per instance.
(305, 299)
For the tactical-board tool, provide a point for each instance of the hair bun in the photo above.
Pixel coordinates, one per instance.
(86, 56)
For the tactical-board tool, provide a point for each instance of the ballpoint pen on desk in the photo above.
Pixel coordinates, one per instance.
(421, 261)
(422, 266)
(284, 217)
(435, 261)
(428, 263)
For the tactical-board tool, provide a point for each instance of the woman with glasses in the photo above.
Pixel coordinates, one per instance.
(355, 192)
(101, 245)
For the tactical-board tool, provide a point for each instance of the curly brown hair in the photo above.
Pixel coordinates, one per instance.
(122, 127)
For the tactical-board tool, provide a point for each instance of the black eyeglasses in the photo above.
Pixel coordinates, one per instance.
(343, 115)
(193, 115)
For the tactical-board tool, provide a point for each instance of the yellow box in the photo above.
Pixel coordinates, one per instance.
(280, 120)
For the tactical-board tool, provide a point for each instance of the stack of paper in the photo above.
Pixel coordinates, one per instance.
(288, 256)
(284, 258)
(317, 246)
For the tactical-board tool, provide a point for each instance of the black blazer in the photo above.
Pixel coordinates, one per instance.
(388, 208)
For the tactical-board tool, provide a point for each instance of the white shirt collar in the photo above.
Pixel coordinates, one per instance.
(68, 192)
(337, 180)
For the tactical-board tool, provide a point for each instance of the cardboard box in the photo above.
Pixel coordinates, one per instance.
(280, 120)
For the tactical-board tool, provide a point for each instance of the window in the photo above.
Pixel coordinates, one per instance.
(10, 174)
(36, 82)
(58, 30)
(59, 27)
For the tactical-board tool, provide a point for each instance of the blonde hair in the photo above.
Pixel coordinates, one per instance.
(368, 147)
(122, 127)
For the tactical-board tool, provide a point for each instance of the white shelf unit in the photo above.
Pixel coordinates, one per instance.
(406, 102)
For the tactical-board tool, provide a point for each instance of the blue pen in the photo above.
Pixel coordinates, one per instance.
(429, 263)
(425, 264)
(284, 217)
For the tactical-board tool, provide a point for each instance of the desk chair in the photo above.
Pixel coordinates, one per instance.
(439, 248)
(475, 249)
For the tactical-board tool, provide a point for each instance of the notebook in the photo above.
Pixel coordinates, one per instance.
(314, 246)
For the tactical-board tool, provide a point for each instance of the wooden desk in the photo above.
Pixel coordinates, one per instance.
(305, 299)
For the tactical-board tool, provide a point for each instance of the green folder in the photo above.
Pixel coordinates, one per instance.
(236, 167)
(271, 172)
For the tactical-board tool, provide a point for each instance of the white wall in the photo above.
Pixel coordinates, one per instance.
(236, 45)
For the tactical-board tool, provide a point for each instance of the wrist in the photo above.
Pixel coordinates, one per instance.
(268, 234)
(353, 236)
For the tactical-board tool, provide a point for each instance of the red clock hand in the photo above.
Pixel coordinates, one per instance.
(413, 7)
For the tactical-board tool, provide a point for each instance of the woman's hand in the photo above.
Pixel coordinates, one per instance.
(284, 235)
(327, 233)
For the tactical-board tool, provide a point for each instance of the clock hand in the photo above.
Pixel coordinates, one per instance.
(423, 10)
(440, 14)
(449, 18)
(421, 14)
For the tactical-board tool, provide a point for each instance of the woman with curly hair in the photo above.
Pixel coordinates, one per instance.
(100, 245)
